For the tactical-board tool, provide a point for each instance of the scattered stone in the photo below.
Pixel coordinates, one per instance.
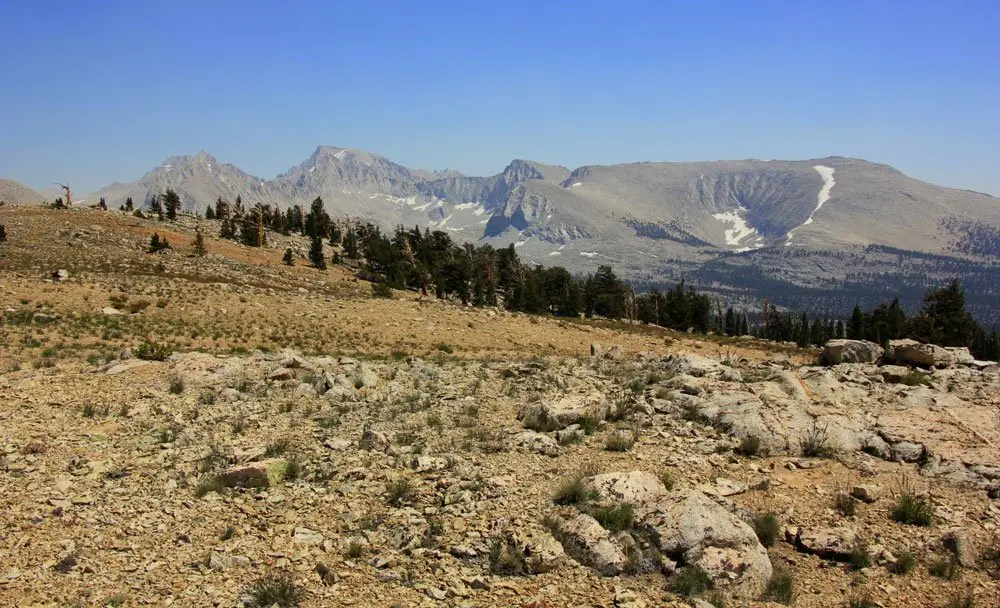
(867, 492)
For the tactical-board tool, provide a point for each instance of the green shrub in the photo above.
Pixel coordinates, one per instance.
(816, 443)
(916, 378)
(615, 518)
(505, 558)
(574, 491)
(859, 558)
(208, 484)
(691, 581)
(766, 527)
(905, 563)
(781, 587)
(845, 504)
(946, 568)
(862, 599)
(619, 442)
(275, 589)
(382, 290)
(151, 351)
(750, 445)
(912, 510)
(176, 385)
(399, 491)
(355, 550)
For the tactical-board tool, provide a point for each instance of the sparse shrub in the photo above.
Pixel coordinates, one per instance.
(912, 510)
(505, 558)
(115, 601)
(716, 598)
(574, 491)
(668, 480)
(916, 378)
(239, 425)
(861, 599)
(275, 589)
(691, 413)
(589, 424)
(859, 557)
(905, 563)
(691, 581)
(637, 386)
(620, 442)
(151, 351)
(571, 438)
(766, 527)
(355, 550)
(399, 491)
(176, 385)
(208, 484)
(168, 434)
(445, 348)
(206, 397)
(382, 290)
(816, 443)
(844, 503)
(750, 446)
(781, 587)
(228, 533)
(947, 568)
(293, 468)
(616, 518)
(277, 448)
(966, 599)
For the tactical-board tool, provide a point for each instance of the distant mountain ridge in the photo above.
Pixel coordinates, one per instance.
(653, 221)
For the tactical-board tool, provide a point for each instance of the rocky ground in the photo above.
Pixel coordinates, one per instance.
(411, 453)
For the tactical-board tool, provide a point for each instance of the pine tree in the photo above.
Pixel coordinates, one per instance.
(802, 332)
(351, 249)
(199, 243)
(128, 205)
(316, 253)
(3, 233)
(157, 244)
(210, 212)
(730, 327)
(288, 258)
(856, 326)
(171, 204)
(103, 204)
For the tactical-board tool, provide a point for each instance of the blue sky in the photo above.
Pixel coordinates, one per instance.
(93, 92)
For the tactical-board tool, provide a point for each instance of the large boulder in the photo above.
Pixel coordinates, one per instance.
(561, 413)
(591, 545)
(927, 355)
(634, 487)
(690, 528)
(851, 351)
(827, 543)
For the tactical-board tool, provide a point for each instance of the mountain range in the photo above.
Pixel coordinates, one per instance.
(815, 229)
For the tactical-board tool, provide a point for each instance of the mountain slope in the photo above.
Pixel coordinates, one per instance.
(199, 180)
(16, 193)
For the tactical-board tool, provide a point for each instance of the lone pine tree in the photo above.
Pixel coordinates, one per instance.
(199, 243)
(316, 253)
(288, 258)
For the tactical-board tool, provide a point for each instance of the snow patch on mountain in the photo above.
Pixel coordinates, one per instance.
(739, 229)
(824, 195)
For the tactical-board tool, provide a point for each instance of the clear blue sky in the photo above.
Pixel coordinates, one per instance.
(93, 92)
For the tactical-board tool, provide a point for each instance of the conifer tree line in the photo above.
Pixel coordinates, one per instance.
(481, 275)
